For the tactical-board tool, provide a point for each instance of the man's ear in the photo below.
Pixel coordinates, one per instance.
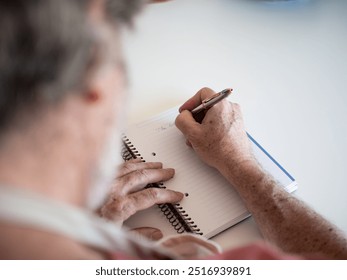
(158, 1)
(92, 95)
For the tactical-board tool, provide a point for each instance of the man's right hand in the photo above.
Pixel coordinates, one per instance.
(221, 137)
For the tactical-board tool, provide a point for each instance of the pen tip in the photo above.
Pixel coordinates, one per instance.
(228, 90)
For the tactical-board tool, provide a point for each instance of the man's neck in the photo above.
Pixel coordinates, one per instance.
(49, 161)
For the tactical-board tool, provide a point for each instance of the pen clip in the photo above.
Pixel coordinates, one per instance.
(199, 112)
(210, 98)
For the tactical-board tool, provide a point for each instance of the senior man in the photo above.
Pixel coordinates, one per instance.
(62, 99)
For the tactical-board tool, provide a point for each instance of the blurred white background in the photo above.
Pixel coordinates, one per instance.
(287, 63)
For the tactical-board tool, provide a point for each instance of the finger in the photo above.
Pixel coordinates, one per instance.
(151, 196)
(190, 247)
(158, 1)
(186, 123)
(119, 209)
(122, 167)
(197, 99)
(140, 178)
(147, 198)
(148, 232)
(133, 165)
(135, 160)
(188, 238)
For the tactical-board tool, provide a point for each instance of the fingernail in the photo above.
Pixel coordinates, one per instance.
(172, 170)
(156, 235)
(180, 194)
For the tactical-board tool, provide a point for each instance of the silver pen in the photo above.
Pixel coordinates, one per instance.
(209, 102)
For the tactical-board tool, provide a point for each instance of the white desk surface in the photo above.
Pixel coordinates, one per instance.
(287, 62)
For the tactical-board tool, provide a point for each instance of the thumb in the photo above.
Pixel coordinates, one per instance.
(148, 232)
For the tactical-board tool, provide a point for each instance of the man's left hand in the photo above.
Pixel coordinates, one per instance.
(128, 195)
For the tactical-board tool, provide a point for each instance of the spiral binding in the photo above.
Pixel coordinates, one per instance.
(174, 213)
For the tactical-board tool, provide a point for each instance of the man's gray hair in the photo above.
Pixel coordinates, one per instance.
(46, 50)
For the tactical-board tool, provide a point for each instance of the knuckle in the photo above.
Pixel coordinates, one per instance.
(153, 194)
(135, 177)
(142, 173)
(237, 112)
(129, 208)
(236, 107)
(116, 205)
(113, 208)
(127, 180)
(128, 166)
(194, 136)
(178, 120)
(206, 90)
(124, 208)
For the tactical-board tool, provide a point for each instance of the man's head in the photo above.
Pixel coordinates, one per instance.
(61, 64)
(48, 49)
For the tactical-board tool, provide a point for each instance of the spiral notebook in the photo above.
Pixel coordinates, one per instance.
(212, 204)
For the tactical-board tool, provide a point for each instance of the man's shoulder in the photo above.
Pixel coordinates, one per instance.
(23, 243)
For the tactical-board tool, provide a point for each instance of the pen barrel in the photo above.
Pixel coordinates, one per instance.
(200, 111)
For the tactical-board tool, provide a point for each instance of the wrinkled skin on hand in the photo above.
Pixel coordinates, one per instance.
(220, 135)
(129, 196)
